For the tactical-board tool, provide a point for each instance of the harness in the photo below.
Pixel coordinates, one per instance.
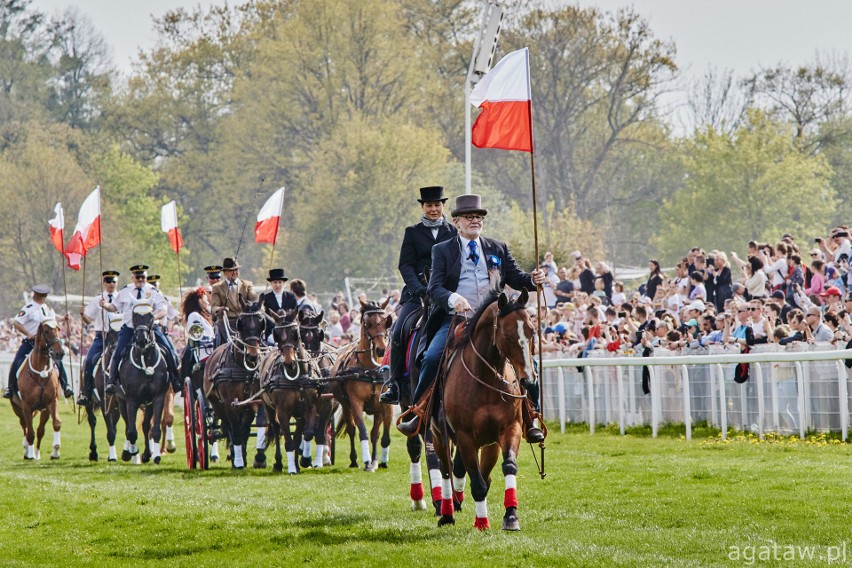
(149, 370)
(371, 338)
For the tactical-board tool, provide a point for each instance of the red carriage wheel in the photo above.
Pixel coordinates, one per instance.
(189, 426)
(202, 433)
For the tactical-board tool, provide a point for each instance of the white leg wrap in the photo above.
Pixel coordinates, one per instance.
(511, 482)
(112, 455)
(435, 479)
(127, 445)
(261, 438)
(291, 462)
(134, 449)
(306, 449)
(319, 455)
(326, 458)
(458, 483)
(155, 449)
(385, 454)
(481, 509)
(238, 457)
(31, 452)
(214, 450)
(56, 441)
(170, 434)
(446, 489)
(24, 443)
(415, 473)
(366, 457)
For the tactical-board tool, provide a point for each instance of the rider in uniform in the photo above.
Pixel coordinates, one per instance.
(171, 312)
(27, 322)
(214, 274)
(127, 298)
(415, 256)
(226, 295)
(95, 314)
(460, 280)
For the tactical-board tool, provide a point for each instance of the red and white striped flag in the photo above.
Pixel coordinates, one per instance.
(169, 224)
(266, 228)
(57, 229)
(87, 233)
(505, 98)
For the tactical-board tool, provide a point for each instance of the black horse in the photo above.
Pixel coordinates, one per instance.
(108, 405)
(321, 359)
(144, 377)
(231, 375)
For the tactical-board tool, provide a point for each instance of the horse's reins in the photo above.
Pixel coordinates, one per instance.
(490, 367)
(365, 331)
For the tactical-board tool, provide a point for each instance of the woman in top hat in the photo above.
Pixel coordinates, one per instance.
(415, 256)
(277, 298)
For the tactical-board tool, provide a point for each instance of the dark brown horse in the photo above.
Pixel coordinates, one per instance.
(359, 385)
(230, 375)
(321, 359)
(106, 404)
(287, 389)
(38, 385)
(482, 404)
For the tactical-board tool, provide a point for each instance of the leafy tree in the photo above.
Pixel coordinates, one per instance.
(754, 184)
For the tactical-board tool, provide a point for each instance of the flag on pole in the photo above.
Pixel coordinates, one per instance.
(57, 228)
(504, 96)
(169, 223)
(87, 233)
(266, 228)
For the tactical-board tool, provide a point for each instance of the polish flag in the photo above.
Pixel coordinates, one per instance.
(57, 229)
(266, 228)
(504, 96)
(87, 233)
(168, 221)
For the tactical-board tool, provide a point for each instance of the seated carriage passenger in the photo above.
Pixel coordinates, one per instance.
(199, 329)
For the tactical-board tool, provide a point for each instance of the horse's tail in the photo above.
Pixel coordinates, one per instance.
(340, 431)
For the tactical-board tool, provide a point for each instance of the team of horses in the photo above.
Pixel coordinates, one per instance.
(474, 420)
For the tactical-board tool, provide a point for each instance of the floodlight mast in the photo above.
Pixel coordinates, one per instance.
(481, 59)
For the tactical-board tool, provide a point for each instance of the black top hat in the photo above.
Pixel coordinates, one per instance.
(154, 278)
(230, 264)
(277, 274)
(138, 269)
(432, 193)
(468, 205)
(41, 289)
(110, 275)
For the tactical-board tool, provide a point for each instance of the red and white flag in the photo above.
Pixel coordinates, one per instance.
(266, 228)
(57, 229)
(169, 223)
(87, 233)
(504, 96)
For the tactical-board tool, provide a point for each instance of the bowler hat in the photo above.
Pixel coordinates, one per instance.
(276, 274)
(230, 264)
(432, 193)
(469, 204)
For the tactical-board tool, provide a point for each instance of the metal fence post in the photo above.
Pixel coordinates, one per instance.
(800, 396)
(619, 376)
(723, 402)
(560, 389)
(843, 399)
(687, 410)
(758, 377)
(590, 381)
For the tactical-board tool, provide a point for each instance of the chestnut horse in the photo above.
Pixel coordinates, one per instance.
(321, 359)
(230, 375)
(38, 385)
(482, 406)
(359, 385)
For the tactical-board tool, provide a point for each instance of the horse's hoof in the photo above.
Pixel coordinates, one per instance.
(304, 462)
(214, 459)
(418, 505)
(369, 467)
(457, 506)
(54, 456)
(238, 467)
(170, 446)
(157, 460)
(511, 524)
(259, 464)
(278, 468)
(93, 456)
(481, 523)
(383, 465)
(126, 455)
(354, 465)
(446, 520)
(146, 456)
(112, 460)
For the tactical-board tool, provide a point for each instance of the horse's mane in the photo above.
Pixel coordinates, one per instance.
(492, 296)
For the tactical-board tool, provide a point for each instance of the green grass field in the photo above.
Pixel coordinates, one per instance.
(606, 501)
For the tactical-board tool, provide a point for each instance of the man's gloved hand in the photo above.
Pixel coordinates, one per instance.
(421, 292)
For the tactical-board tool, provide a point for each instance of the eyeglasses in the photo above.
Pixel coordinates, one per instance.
(139, 277)
(814, 254)
(812, 315)
(754, 309)
(472, 218)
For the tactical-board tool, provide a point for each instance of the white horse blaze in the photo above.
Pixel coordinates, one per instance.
(525, 348)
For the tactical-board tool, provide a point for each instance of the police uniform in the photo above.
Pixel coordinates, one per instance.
(124, 303)
(30, 317)
(100, 321)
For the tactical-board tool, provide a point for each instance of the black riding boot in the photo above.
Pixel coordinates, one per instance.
(391, 396)
(534, 434)
(12, 388)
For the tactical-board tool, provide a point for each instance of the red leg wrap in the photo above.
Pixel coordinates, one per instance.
(416, 491)
(511, 498)
(436, 493)
(481, 523)
(447, 507)
(458, 496)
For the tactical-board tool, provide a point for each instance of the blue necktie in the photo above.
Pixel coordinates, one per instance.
(473, 254)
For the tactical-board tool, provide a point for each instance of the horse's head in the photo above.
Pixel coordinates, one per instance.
(50, 340)
(310, 330)
(374, 328)
(143, 325)
(250, 326)
(514, 333)
(286, 334)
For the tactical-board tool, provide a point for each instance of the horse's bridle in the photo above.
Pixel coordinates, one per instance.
(151, 341)
(241, 344)
(365, 330)
(294, 346)
(46, 351)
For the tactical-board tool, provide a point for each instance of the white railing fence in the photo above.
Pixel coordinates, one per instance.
(789, 391)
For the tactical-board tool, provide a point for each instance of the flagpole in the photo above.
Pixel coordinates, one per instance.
(82, 307)
(65, 292)
(177, 246)
(104, 328)
(275, 238)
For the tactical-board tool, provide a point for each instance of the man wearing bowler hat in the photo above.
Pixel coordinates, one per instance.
(459, 282)
(226, 295)
(415, 257)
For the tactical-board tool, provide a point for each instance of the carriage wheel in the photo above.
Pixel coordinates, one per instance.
(202, 433)
(329, 435)
(189, 426)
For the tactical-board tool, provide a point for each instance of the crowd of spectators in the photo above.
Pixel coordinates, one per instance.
(709, 297)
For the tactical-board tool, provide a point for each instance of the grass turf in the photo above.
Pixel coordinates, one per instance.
(606, 501)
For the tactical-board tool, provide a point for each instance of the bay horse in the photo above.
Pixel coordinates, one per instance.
(144, 378)
(481, 406)
(320, 360)
(359, 385)
(288, 391)
(38, 385)
(231, 375)
(106, 404)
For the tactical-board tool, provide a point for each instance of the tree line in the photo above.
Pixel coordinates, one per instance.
(354, 105)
